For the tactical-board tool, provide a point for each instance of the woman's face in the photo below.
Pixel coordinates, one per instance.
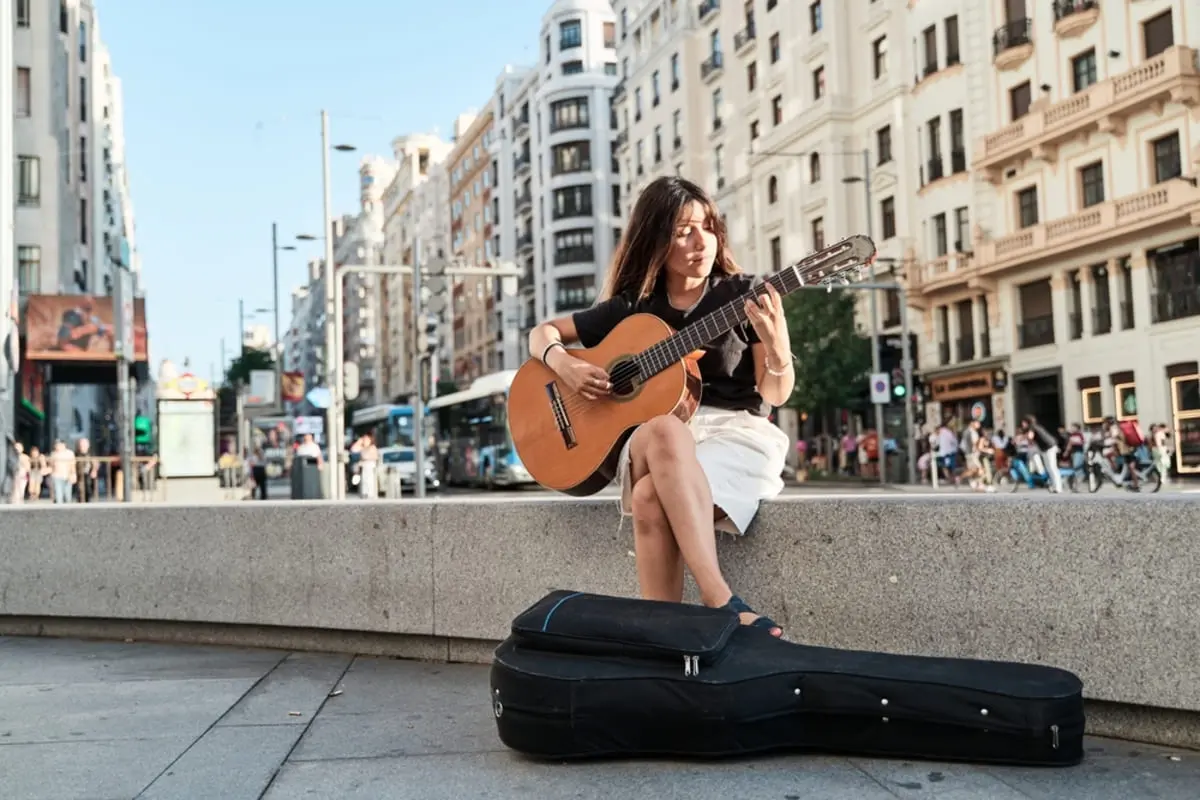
(693, 243)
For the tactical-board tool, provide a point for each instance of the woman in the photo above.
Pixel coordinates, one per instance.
(368, 476)
(683, 481)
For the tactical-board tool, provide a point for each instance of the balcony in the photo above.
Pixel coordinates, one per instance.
(621, 141)
(521, 166)
(619, 91)
(1073, 17)
(708, 7)
(712, 66)
(744, 37)
(1012, 44)
(521, 125)
(1167, 205)
(953, 270)
(523, 202)
(524, 243)
(966, 347)
(1106, 106)
(1036, 332)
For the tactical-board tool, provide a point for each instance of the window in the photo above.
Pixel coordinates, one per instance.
(1167, 161)
(571, 113)
(610, 35)
(815, 18)
(929, 35)
(952, 54)
(772, 190)
(883, 144)
(879, 56)
(958, 143)
(962, 229)
(677, 128)
(1093, 406)
(573, 246)
(610, 68)
(1158, 34)
(719, 165)
(83, 220)
(776, 254)
(751, 76)
(576, 292)
(658, 154)
(29, 180)
(940, 245)
(1083, 69)
(1125, 397)
(572, 67)
(753, 130)
(717, 109)
(674, 71)
(573, 201)
(29, 269)
(83, 159)
(818, 233)
(1019, 98)
(887, 214)
(570, 35)
(818, 83)
(1027, 207)
(654, 91)
(637, 104)
(1091, 180)
(570, 157)
(83, 99)
(814, 168)
(22, 13)
(775, 51)
(82, 41)
(777, 109)
(24, 98)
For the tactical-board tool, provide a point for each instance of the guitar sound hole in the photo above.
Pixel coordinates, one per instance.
(625, 377)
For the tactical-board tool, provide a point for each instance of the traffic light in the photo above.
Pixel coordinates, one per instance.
(899, 390)
(427, 337)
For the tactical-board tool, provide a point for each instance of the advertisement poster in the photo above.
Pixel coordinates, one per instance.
(65, 327)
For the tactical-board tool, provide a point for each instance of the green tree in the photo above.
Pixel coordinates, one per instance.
(833, 360)
(249, 361)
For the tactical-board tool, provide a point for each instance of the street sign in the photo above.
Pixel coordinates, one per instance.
(881, 388)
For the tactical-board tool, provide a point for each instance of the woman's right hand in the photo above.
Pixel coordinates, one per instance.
(586, 379)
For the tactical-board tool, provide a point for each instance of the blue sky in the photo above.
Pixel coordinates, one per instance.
(222, 125)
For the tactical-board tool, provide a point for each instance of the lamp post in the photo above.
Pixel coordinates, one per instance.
(275, 248)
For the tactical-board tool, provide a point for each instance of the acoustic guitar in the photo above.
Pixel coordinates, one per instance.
(571, 444)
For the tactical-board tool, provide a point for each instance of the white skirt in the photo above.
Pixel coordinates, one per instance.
(742, 456)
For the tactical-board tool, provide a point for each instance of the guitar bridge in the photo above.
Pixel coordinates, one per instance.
(560, 415)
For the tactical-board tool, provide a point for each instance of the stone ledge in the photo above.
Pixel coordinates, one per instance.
(1102, 586)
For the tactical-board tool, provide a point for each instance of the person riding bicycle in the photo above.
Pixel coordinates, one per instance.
(1126, 450)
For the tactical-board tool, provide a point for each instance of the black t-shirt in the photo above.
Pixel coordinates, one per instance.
(727, 368)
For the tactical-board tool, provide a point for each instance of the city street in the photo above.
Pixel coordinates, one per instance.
(83, 720)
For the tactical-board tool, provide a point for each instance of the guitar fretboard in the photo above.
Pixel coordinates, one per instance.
(675, 347)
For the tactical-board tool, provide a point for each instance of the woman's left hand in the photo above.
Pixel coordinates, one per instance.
(767, 317)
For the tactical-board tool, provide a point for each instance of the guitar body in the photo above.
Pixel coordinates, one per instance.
(572, 444)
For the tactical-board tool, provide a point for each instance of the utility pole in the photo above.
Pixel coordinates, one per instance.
(124, 317)
(333, 319)
(910, 438)
(9, 331)
(275, 307)
(418, 307)
(879, 435)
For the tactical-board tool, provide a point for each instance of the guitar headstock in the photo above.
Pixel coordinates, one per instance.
(835, 264)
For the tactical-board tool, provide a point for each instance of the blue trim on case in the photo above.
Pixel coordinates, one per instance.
(554, 608)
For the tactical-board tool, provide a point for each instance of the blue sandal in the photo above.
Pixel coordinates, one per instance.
(766, 623)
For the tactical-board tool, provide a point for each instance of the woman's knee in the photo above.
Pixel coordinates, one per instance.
(644, 502)
(666, 436)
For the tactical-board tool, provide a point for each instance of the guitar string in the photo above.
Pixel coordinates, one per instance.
(577, 404)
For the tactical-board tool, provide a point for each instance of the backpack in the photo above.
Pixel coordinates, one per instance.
(1132, 433)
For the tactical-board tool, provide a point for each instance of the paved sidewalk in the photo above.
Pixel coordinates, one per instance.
(113, 721)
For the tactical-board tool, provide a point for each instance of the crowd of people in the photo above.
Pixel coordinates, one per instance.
(978, 456)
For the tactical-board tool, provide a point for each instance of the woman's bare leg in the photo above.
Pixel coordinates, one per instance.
(663, 450)
(659, 562)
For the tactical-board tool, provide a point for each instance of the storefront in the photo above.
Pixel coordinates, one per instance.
(967, 396)
(1185, 418)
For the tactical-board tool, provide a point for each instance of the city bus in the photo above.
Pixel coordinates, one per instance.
(473, 440)
(391, 425)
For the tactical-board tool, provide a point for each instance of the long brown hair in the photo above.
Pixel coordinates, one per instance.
(643, 250)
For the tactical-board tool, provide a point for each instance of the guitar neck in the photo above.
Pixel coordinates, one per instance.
(810, 271)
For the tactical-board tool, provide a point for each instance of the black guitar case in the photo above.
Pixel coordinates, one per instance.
(585, 675)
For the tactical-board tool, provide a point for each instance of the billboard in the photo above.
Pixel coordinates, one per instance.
(77, 327)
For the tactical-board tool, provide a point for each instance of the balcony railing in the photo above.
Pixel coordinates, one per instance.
(966, 348)
(583, 254)
(953, 269)
(1012, 34)
(1101, 320)
(1158, 205)
(1173, 75)
(1075, 323)
(523, 202)
(1166, 306)
(744, 37)
(520, 164)
(935, 170)
(711, 65)
(1036, 332)
(958, 161)
(525, 241)
(1073, 17)
(1066, 8)
(707, 7)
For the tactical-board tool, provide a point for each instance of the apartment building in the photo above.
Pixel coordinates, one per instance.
(511, 198)
(660, 96)
(73, 219)
(471, 223)
(575, 182)
(1087, 273)
(416, 217)
(304, 340)
(515, 146)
